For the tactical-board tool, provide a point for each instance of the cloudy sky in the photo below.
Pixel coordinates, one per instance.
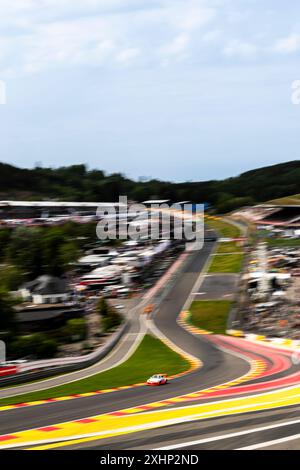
(176, 89)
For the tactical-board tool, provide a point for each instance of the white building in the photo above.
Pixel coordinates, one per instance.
(105, 275)
(45, 290)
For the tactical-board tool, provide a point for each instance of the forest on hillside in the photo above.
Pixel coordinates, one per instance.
(79, 183)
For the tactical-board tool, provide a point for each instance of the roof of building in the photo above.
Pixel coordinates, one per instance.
(156, 201)
(92, 259)
(47, 285)
(58, 204)
(42, 314)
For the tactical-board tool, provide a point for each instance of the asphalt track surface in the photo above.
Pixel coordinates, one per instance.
(219, 366)
(218, 287)
(227, 433)
(119, 352)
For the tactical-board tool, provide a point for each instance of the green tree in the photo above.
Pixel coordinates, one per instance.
(111, 320)
(20, 347)
(68, 253)
(110, 317)
(47, 349)
(76, 328)
(24, 251)
(11, 277)
(7, 313)
(52, 242)
(36, 344)
(5, 235)
(102, 306)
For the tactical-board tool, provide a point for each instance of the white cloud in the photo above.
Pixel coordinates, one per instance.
(186, 18)
(212, 36)
(48, 33)
(237, 48)
(104, 38)
(289, 44)
(127, 55)
(67, 43)
(36, 35)
(194, 16)
(177, 46)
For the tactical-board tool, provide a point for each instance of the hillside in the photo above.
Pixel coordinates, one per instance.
(76, 182)
(287, 201)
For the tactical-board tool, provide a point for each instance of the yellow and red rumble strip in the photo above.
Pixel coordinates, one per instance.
(104, 426)
(68, 397)
(278, 342)
(256, 370)
(183, 321)
(194, 364)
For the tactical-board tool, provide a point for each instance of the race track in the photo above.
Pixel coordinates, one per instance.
(189, 412)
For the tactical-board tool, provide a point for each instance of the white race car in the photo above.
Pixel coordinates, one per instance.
(158, 379)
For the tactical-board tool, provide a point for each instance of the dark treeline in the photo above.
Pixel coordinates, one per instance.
(78, 183)
(28, 252)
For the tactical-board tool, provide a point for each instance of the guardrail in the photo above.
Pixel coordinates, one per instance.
(41, 369)
(37, 370)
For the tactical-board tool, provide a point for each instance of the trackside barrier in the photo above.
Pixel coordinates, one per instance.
(8, 370)
(37, 370)
(42, 369)
(290, 343)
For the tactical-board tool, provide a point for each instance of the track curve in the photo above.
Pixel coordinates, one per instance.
(225, 361)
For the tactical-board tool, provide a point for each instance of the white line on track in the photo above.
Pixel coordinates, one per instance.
(271, 443)
(199, 281)
(236, 434)
(162, 422)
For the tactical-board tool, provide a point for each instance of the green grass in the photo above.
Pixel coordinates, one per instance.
(152, 356)
(283, 242)
(229, 247)
(210, 315)
(226, 263)
(225, 229)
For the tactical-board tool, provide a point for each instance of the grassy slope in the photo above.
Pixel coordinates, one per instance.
(225, 229)
(226, 263)
(210, 315)
(229, 247)
(152, 356)
(288, 200)
(283, 242)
